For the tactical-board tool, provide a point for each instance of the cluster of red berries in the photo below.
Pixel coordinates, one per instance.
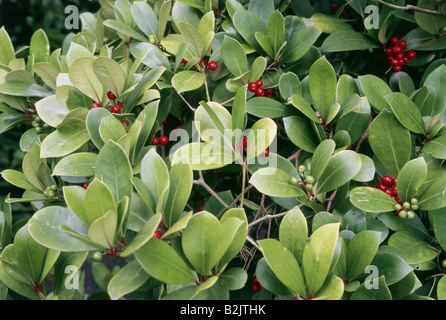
(159, 232)
(114, 108)
(335, 8)
(256, 286)
(256, 87)
(396, 56)
(162, 140)
(388, 185)
(212, 65)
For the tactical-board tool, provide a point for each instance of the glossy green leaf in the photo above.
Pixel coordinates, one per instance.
(284, 265)
(375, 90)
(247, 23)
(329, 24)
(289, 85)
(23, 89)
(233, 279)
(162, 262)
(102, 230)
(411, 176)
(406, 112)
(372, 200)
(81, 164)
(347, 40)
(436, 147)
(303, 106)
(390, 142)
(393, 267)
(435, 103)
(322, 82)
(361, 251)
(321, 158)
(300, 132)
(145, 18)
(39, 47)
(276, 31)
(187, 81)
(110, 73)
(300, 44)
(18, 179)
(264, 107)
(367, 172)
(7, 50)
(85, 79)
(234, 56)
(124, 29)
(414, 248)
(341, 168)
(276, 183)
(381, 292)
(51, 111)
(293, 232)
(126, 280)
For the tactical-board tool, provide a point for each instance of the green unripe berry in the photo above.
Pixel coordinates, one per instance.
(398, 207)
(309, 180)
(406, 205)
(294, 181)
(403, 214)
(309, 186)
(46, 203)
(38, 129)
(45, 193)
(302, 168)
(414, 207)
(410, 214)
(34, 124)
(53, 187)
(443, 263)
(152, 39)
(45, 125)
(37, 119)
(97, 256)
(414, 201)
(50, 194)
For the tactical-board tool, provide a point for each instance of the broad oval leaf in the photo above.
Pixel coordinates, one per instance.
(372, 200)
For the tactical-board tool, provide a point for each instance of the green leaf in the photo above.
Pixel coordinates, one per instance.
(111, 129)
(18, 179)
(347, 40)
(431, 23)
(436, 99)
(406, 112)
(303, 106)
(257, 69)
(188, 81)
(145, 18)
(124, 29)
(332, 289)
(393, 267)
(192, 36)
(360, 252)
(289, 85)
(293, 232)
(390, 141)
(411, 176)
(114, 169)
(39, 47)
(375, 89)
(51, 111)
(238, 116)
(239, 238)
(110, 73)
(441, 289)
(367, 172)
(234, 56)
(199, 238)
(341, 168)
(382, 292)
(436, 147)
(329, 24)
(103, 229)
(275, 183)
(162, 262)
(155, 176)
(181, 180)
(48, 73)
(322, 82)
(321, 158)
(276, 31)
(300, 132)
(284, 265)
(81, 164)
(247, 23)
(83, 76)
(143, 236)
(413, 247)
(433, 197)
(263, 107)
(318, 254)
(98, 200)
(262, 134)
(6, 48)
(233, 279)
(300, 44)
(372, 200)
(126, 280)
(163, 18)
(45, 228)
(23, 89)
(93, 122)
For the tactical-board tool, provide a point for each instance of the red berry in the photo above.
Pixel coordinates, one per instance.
(399, 200)
(259, 83)
(164, 140)
(255, 280)
(245, 142)
(164, 121)
(260, 92)
(266, 153)
(217, 12)
(393, 62)
(346, 14)
(394, 40)
(115, 108)
(389, 192)
(155, 141)
(389, 51)
(96, 105)
(203, 63)
(394, 181)
(157, 234)
(213, 65)
(111, 96)
(268, 92)
(387, 180)
(201, 208)
(184, 61)
(397, 49)
(255, 288)
(411, 54)
(400, 56)
(381, 186)
(401, 62)
(85, 186)
(403, 44)
(126, 122)
(334, 8)
(397, 68)
(252, 86)
(394, 191)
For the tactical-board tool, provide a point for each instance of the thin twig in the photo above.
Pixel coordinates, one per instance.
(412, 7)
(364, 135)
(187, 103)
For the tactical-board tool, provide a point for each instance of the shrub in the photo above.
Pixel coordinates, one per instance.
(228, 150)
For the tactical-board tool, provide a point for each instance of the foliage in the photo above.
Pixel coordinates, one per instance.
(259, 149)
